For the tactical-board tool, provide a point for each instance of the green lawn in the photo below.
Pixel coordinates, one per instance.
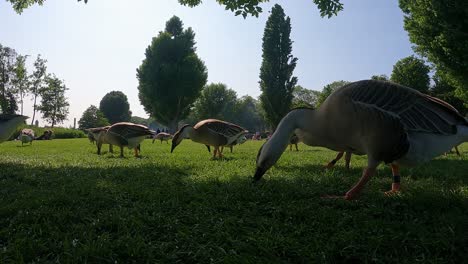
(60, 202)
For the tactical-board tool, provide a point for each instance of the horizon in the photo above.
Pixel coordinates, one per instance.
(97, 47)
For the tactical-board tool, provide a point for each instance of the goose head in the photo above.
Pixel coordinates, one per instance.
(269, 154)
(180, 135)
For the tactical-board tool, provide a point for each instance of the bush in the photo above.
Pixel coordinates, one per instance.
(59, 132)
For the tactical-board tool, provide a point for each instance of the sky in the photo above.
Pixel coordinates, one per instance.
(97, 47)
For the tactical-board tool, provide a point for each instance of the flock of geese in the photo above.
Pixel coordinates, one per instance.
(387, 122)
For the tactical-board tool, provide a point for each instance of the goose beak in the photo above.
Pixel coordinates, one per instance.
(258, 174)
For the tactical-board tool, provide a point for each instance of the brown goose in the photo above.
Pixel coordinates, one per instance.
(163, 136)
(210, 132)
(388, 122)
(125, 134)
(8, 125)
(98, 135)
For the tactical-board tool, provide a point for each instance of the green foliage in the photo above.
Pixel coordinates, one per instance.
(115, 107)
(141, 120)
(411, 72)
(216, 101)
(381, 77)
(276, 80)
(249, 114)
(37, 82)
(20, 79)
(439, 31)
(303, 97)
(8, 58)
(171, 76)
(54, 104)
(92, 117)
(444, 90)
(60, 202)
(329, 89)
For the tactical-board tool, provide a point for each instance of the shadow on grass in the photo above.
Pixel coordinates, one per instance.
(152, 213)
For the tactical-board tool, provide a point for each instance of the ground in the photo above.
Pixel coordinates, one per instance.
(60, 202)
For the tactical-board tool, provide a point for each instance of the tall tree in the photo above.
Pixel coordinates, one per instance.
(276, 81)
(115, 107)
(439, 31)
(444, 90)
(54, 105)
(303, 97)
(329, 89)
(7, 65)
(21, 79)
(411, 72)
(216, 101)
(239, 7)
(92, 117)
(37, 82)
(171, 76)
(248, 114)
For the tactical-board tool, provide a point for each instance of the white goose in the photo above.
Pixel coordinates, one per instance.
(8, 125)
(388, 122)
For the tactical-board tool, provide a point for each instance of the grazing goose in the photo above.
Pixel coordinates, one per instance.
(27, 136)
(388, 122)
(338, 157)
(163, 136)
(98, 135)
(294, 141)
(8, 125)
(91, 138)
(125, 134)
(210, 132)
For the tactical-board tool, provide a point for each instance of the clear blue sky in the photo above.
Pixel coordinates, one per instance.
(96, 47)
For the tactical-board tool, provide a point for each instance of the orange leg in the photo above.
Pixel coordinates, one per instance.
(333, 162)
(136, 152)
(220, 153)
(396, 179)
(230, 148)
(296, 147)
(214, 152)
(356, 190)
(348, 159)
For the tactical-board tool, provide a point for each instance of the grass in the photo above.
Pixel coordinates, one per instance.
(60, 202)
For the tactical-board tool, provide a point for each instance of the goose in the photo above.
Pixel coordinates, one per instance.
(163, 136)
(27, 136)
(210, 132)
(388, 122)
(294, 141)
(239, 141)
(8, 125)
(125, 134)
(98, 133)
(340, 154)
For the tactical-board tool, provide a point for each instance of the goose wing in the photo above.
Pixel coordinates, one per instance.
(125, 131)
(228, 130)
(416, 111)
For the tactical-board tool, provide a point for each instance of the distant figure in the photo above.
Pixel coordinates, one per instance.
(294, 141)
(27, 136)
(158, 131)
(162, 136)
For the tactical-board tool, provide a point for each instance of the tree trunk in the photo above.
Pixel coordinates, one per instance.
(173, 125)
(34, 110)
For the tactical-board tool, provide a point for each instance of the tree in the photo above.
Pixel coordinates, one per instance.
(7, 65)
(54, 105)
(239, 7)
(411, 72)
(276, 81)
(141, 120)
(444, 90)
(249, 114)
(329, 89)
(92, 117)
(381, 77)
(115, 107)
(171, 76)
(11, 106)
(303, 97)
(216, 101)
(37, 80)
(439, 31)
(21, 79)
